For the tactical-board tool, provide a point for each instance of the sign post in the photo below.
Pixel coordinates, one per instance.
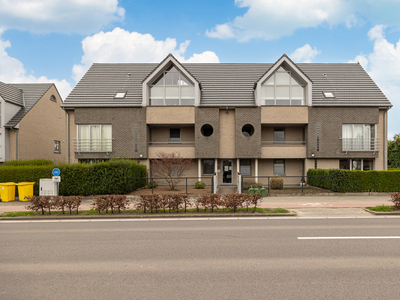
(57, 178)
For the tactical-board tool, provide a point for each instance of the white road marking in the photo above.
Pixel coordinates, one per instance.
(346, 237)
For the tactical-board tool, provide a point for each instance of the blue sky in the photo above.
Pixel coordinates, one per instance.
(57, 41)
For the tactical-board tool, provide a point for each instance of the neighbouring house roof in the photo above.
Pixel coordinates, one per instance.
(32, 93)
(11, 94)
(225, 84)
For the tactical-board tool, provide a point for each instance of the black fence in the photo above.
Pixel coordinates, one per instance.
(265, 182)
(180, 185)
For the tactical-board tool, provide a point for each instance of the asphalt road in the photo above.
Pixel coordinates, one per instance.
(195, 259)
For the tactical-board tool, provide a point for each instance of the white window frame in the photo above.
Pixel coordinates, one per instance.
(353, 137)
(165, 86)
(289, 86)
(88, 147)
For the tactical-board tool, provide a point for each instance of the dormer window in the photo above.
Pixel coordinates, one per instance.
(282, 88)
(120, 95)
(171, 88)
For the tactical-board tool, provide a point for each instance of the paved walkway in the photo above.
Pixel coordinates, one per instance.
(346, 200)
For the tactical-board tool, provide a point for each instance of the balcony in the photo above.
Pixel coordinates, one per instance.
(284, 149)
(360, 144)
(93, 145)
(186, 149)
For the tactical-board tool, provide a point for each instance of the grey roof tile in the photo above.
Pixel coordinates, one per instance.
(11, 94)
(33, 92)
(225, 84)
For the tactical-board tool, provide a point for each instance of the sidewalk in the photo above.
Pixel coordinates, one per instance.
(345, 200)
(290, 202)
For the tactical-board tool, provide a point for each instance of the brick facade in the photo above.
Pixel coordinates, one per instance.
(207, 146)
(129, 130)
(248, 146)
(330, 120)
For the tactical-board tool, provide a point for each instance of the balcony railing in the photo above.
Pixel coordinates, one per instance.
(360, 144)
(282, 143)
(93, 145)
(172, 144)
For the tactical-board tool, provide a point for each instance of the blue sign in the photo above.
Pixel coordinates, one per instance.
(56, 172)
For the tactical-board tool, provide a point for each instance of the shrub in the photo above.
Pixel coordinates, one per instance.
(251, 184)
(51, 202)
(152, 185)
(199, 185)
(112, 177)
(32, 162)
(396, 200)
(276, 183)
(343, 181)
(110, 202)
(209, 201)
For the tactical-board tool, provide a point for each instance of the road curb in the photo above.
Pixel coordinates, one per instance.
(146, 216)
(383, 213)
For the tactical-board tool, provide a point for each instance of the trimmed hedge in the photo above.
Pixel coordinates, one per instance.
(112, 177)
(343, 181)
(32, 162)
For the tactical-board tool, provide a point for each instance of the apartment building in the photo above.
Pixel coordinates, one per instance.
(32, 123)
(257, 119)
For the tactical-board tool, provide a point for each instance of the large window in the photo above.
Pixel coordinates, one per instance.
(359, 137)
(279, 167)
(245, 166)
(208, 166)
(96, 138)
(282, 88)
(172, 88)
(357, 164)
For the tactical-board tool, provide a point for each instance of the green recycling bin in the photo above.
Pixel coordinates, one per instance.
(256, 190)
(262, 191)
(251, 191)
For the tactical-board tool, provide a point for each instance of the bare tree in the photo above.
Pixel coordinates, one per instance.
(170, 166)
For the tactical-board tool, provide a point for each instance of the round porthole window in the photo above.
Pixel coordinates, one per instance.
(248, 130)
(207, 130)
(53, 98)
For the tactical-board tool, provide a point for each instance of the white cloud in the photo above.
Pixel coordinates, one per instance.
(383, 65)
(120, 45)
(304, 54)
(43, 16)
(12, 71)
(271, 19)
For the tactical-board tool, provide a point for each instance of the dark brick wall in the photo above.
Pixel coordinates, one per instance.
(330, 120)
(207, 147)
(248, 147)
(128, 125)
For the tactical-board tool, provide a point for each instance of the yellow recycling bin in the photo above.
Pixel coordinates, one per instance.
(25, 189)
(8, 191)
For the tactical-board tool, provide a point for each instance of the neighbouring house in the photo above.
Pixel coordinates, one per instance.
(258, 119)
(32, 123)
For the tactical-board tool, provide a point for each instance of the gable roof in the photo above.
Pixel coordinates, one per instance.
(33, 92)
(11, 94)
(225, 84)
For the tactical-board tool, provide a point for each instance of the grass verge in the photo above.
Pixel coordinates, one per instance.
(381, 208)
(134, 212)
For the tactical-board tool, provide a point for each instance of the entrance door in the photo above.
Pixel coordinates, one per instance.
(226, 171)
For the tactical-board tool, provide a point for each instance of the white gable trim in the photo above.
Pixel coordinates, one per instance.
(293, 68)
(170, 59)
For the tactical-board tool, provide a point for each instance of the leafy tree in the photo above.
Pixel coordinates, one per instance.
(170, 166)
(394, 152)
